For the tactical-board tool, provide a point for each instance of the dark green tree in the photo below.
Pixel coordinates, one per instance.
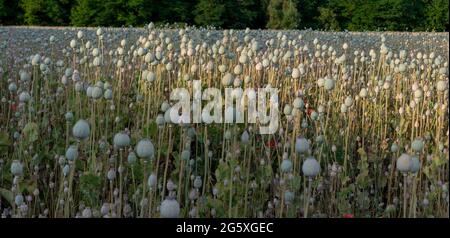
(327, 19)
(210, 12)
(83, 13)
(282, 14)
(10, 13)
(436, 14)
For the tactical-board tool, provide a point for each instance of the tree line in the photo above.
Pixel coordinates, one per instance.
(338, 15)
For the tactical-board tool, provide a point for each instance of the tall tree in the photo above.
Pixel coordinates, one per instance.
(282, 14)
(10, 13)
(210, 12)
(84, 12)
(436, 14)
(34, 12)
(327, 19)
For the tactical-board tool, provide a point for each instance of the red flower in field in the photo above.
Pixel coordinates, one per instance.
(13, 107)
(309, 111)
(271, 143)
(347, 215)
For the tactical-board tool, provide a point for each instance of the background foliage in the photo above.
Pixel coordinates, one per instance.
(355, 15)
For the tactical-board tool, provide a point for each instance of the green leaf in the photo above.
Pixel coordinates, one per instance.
(4, 139)
(31, 132)
(7, 195)
(27, 186)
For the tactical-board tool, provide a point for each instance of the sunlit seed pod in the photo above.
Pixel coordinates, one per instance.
(227, 79)
(81, 130)
(73, 43)
(418, 94)
(329, 84)
(36, 60)
(310, 167)
(403, 163)
(442, 85)
(348, 101)
(344, 108)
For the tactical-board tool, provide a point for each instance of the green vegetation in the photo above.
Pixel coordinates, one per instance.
(355, 15)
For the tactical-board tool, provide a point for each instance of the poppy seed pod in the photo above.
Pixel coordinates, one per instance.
(81, 129)
(97, 92)
(24, 76)
(329, 84)
(16, 168)
(415, 164)
(394, 148)
(72, 153)
(185, 155)
(198, 182)
(121, 140)
(108, 94)
(18, 200)
(145, 149)
(227, 79)
(111, 175)
(169, 208)
(131, 158)
(298, 103)
(310, 167)
(151, 181)
(68, 116)
(66, 170)
(12, 87)
(417, 145)
(301, 145)
(289, 197)
(286, 166)
(24, 96)
(245, 137)
(441, 85)
(404, 163)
